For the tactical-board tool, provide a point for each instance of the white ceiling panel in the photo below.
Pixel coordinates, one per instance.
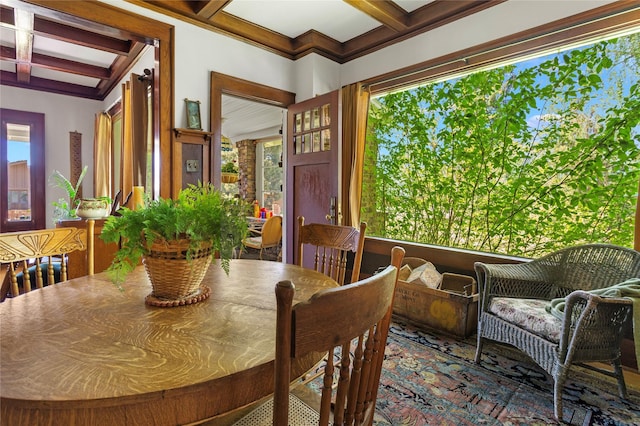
(411, 5)
(64, 77)
(7, 37)
(8, 66)
(334, 18)
(73, 52)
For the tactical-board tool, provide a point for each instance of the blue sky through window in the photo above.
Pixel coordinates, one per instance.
(17, 151)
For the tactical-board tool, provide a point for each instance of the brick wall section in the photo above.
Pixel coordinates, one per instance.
(247, 169)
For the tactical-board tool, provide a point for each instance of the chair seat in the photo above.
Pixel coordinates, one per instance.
(300, 414)
(253, 242)
(529, 314)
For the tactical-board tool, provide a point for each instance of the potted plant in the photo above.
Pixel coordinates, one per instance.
(193, 228)
(86, 208)
(61, 208)
(229, 172)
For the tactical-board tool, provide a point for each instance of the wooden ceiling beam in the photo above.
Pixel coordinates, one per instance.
(386, 12)
(45, 85)
(445, 11)
(315, 41)
(119, 69)
(397, 25)
(57, 64)
(428, 17)
(207, 9)
(255, 34)
(24, 44)
(85, 38)
(223, 23)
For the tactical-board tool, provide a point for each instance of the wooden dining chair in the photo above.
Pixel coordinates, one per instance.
(352, 319)
(270, 236)
(331, 245)
(38, 258)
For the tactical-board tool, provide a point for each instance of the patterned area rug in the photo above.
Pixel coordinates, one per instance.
(431, 379)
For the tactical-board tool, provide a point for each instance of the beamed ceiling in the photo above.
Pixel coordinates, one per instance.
(340, 30)
(54, 52)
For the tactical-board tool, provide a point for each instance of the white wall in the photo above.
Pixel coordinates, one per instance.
(63, 114)
(315, 75)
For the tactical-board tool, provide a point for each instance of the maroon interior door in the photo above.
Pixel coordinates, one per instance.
(313, 138)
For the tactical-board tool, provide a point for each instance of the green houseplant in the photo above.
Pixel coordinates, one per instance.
(201, 218)
(229, 167)
(61, 208)
(229, 172)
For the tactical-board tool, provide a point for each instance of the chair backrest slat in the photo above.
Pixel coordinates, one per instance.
(34, 250)
(331, 245)
(353, 318)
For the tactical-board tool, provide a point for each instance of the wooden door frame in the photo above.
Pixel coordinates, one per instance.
(38, 183)
(156, 33)
(223, 84)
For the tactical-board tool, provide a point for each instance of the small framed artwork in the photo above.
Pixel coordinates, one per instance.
(193, 114)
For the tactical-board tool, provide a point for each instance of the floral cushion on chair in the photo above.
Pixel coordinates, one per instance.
(529, 314)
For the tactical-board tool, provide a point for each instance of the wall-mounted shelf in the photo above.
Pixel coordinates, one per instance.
(192, 136)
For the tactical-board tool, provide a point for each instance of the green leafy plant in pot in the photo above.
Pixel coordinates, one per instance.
(229, 167)
(229, 172)
(201, 223)
(61, 208)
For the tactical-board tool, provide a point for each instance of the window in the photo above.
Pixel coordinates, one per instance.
(270, 155)
(522, 159)
(22, 182)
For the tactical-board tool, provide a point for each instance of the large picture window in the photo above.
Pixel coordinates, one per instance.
(521, 159)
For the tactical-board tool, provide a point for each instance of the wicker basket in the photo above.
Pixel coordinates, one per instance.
(229, 177)
(172, 275)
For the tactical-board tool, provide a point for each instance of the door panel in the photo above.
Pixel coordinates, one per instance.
(313, 138)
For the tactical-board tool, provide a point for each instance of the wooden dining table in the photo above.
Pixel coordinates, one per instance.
(84, 353)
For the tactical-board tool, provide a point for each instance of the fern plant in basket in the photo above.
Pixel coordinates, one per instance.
(229, 172)
(176, 239)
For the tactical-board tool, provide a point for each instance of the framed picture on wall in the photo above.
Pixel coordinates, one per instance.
(193, 114)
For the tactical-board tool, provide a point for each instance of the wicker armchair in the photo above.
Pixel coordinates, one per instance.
(514, 309)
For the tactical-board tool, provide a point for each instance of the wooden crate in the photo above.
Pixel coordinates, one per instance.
(445, 308)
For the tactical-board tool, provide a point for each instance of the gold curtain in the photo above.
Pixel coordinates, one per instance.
(135, 133)
(355, 109)
(140, 129)
(126, 161)
(102, 156)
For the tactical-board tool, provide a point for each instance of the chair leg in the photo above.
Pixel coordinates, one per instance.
(479, 347)
(622, 388)
(559, 376)
(557, 399)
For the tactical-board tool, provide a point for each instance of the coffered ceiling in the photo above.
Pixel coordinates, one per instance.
(57, 53)
(340, 30)
(53, 52)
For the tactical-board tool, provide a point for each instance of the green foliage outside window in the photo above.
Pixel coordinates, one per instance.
(272, 173)
(520, 160)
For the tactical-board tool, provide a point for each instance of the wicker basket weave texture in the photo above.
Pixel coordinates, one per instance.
(171, 274)
(229, 177)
